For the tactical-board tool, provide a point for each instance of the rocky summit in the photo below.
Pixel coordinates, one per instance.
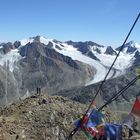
(42, 117)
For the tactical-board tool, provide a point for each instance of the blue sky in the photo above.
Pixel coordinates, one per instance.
(103, 21)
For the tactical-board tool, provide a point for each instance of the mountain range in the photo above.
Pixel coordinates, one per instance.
(63, 68)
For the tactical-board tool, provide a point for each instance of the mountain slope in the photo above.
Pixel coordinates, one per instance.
(110, 88)
(50, 69)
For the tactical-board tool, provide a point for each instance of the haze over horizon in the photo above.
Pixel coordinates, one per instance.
(104, 22)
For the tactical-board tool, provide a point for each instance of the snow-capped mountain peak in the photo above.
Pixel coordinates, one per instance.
(26, 41)
(45, 40)
(40, 39)
(130, 47)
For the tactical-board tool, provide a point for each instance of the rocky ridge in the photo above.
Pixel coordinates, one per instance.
(42, 117)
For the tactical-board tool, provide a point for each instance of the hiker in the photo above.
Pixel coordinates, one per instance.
(38, 91)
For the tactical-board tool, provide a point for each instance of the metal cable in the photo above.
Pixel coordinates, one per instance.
(119, 93)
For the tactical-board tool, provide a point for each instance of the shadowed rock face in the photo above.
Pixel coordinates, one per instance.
(49, 69)
(17, 44)
(110, 51)
(8, 89)
(6, 47)
(33, 51)
(137, 59)
(84, 47)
